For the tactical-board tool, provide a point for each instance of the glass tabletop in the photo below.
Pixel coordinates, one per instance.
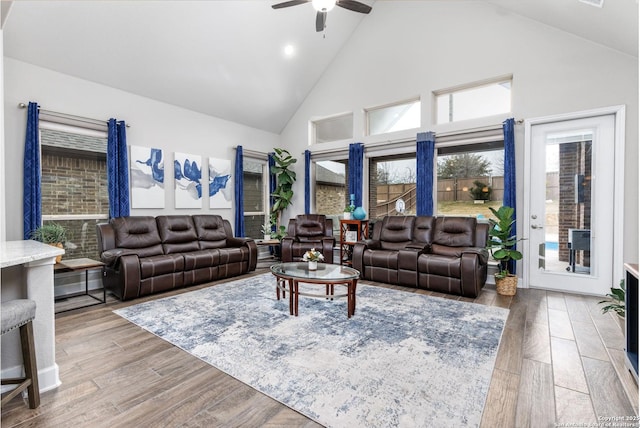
(329, 272)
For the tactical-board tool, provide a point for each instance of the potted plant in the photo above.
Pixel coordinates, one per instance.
(285, 177)
(52, 234)
(348, 212)
(267, 229)
(313, 256)
(615, 302)
(502, 242)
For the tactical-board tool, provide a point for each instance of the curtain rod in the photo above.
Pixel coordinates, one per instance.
(71, 117)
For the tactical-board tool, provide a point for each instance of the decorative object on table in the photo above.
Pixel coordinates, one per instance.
(147, 177)
(408, 345)
(502, 243)
(615, 301)
(267, 230)
(313, 256)
(53, 234)
(359, 213)
(348, 212)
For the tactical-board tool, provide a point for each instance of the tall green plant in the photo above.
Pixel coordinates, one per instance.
(502, 241)
(285, 177)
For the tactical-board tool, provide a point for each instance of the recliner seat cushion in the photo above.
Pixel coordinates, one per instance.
(439, 265)
(387, 259)
(160, 265)
(201, 259)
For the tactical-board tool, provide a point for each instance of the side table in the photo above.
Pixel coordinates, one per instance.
(80, 265)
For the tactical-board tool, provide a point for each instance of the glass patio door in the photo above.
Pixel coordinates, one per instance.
(571, 205)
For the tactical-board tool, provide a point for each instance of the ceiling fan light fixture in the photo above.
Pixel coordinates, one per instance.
(323, 5)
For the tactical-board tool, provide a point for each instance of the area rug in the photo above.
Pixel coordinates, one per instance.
(404, 359)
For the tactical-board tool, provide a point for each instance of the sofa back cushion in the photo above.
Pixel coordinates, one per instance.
(211, 231)
(455, 231)
(178, 234)
(423, 229)
(310, 227)
(137, 232)
(396, 232)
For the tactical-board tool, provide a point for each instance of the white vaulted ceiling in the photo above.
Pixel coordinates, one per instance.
(226, 58)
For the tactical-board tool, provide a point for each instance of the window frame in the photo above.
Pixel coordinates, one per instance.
(313, 128)
(367, 118)
(262, 159)
(466, 87)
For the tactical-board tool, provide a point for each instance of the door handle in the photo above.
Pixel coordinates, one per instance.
(535, 226)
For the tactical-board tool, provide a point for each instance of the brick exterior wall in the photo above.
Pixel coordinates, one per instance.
(75, 185)
(575, 159)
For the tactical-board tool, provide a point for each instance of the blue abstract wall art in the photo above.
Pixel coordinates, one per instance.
(188, 178)
(147, 177)
(220, 190)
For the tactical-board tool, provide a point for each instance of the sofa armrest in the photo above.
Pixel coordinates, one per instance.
(128, 270)
(112, 257)
(327, 248)
(483, 254)
(473, 273)
(357, 258)
(286, 248)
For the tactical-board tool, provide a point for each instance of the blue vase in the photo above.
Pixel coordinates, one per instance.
(359, 213)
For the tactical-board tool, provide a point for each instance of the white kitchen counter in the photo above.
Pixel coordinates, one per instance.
(27, 272)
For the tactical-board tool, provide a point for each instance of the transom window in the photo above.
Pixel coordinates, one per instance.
(395, 117)
(472, 102)
(334, 128)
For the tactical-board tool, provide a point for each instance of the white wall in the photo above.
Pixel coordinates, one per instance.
(405, 49)
(153, 124)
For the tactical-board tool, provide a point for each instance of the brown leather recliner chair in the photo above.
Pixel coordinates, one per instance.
(305, 232)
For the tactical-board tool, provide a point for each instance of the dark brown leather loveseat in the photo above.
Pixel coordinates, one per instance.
(443, 254)
(145, 255)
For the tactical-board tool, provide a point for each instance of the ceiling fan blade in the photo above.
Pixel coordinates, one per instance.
(321, 20)
(289, 3)
(354, 5)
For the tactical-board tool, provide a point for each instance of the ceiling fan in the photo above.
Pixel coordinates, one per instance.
(324, 6)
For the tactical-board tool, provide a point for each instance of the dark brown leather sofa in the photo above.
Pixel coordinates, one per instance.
(443, 254)
(145, 255)
(305, 232)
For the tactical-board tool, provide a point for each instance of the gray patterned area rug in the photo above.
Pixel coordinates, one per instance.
(404, 359)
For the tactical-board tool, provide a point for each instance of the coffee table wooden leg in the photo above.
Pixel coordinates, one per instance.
(296, 294)
(292, 292)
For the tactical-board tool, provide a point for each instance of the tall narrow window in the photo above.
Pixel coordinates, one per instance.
(256, 206)
(331, 189)
(74, 184)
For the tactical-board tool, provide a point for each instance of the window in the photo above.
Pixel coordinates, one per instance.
(74, 184)
(396, 117)
(331, 190)
(256, 204)
(473, 102)
(470, 179)
(334, 128)
(392, 186)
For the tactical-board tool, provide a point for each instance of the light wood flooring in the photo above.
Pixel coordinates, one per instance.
(560, 362)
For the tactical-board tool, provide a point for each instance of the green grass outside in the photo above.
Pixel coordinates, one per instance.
(463, 208)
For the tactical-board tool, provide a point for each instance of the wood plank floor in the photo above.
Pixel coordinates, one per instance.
(560, 362)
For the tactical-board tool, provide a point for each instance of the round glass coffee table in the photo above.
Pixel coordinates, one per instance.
(289, 275)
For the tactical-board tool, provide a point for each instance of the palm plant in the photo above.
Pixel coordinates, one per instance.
(615, 301)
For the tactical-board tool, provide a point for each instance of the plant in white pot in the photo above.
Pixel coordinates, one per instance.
(502, 244)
